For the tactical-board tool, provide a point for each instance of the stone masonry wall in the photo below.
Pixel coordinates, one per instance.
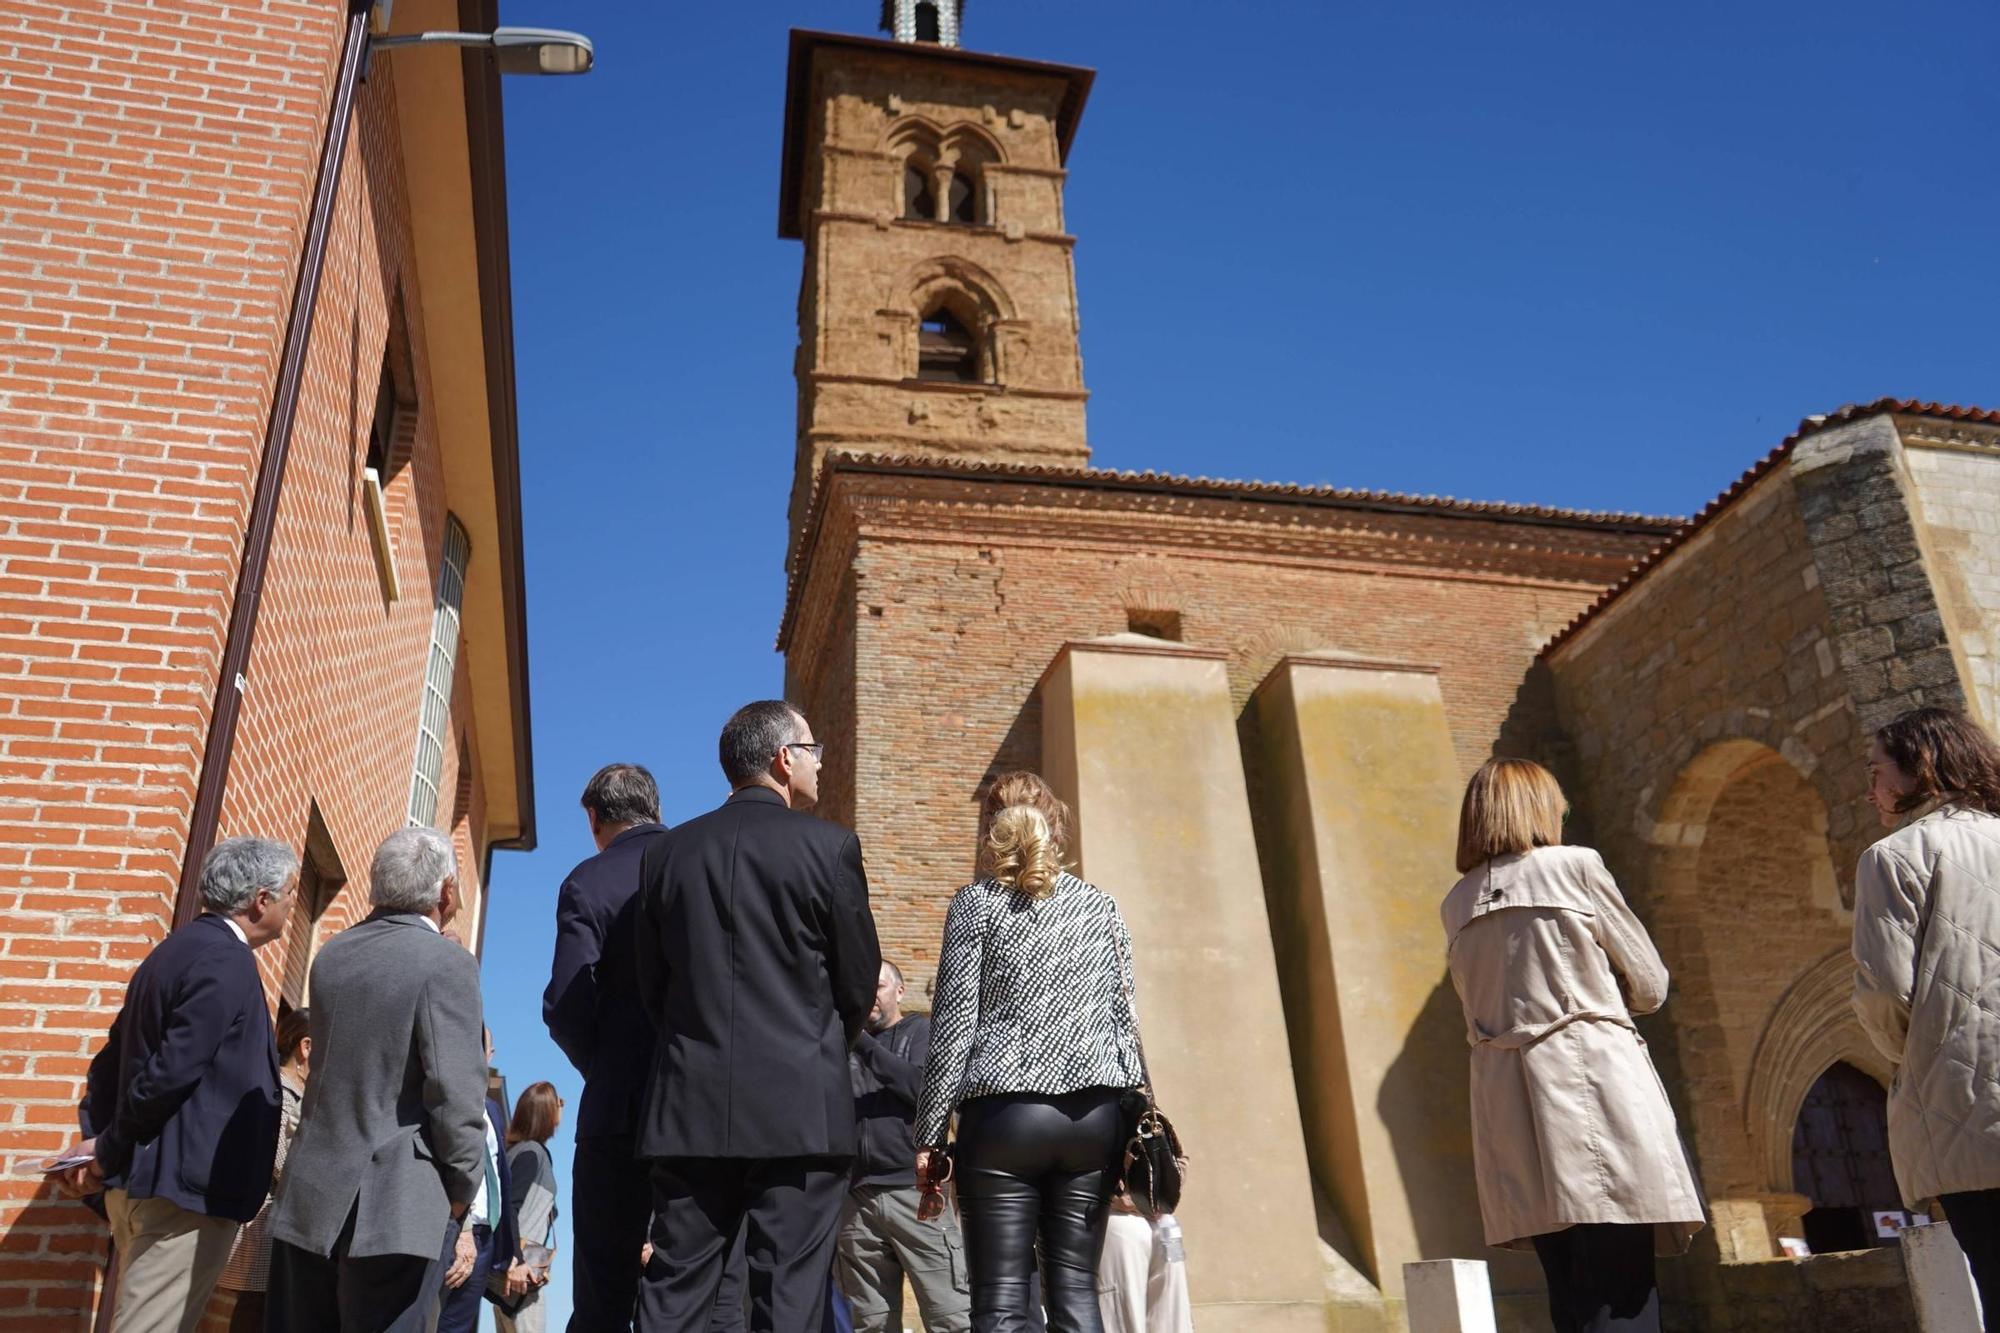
(1883, 610)
(1957, 482)
(1677, 700)
(1717, 714)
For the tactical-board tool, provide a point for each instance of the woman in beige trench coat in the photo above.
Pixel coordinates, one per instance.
(1573, 1140)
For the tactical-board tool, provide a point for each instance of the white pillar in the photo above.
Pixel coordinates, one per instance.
(1451, 1296)
(1940, 1283)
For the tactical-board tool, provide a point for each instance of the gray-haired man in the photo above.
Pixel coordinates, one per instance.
(392, 1137)
(183, 1099)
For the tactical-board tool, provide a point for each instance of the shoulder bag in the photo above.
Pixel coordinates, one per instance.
(1155, 1166)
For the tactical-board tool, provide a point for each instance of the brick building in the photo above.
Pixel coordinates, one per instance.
(158, 166)
(1264, 700)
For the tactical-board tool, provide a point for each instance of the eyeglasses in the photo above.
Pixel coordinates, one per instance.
(814, 748)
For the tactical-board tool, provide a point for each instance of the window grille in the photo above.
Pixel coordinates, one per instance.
(434, 715)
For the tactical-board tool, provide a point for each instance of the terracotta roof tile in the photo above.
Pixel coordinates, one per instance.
(1763, 466)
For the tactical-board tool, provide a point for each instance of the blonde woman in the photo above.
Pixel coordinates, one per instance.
(1573, 1141)
(1034, 1043)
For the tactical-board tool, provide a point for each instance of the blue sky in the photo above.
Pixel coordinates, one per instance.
(1582, 254)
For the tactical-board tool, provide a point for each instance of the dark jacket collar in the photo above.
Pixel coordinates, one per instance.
(636, 831)
(762, 795)
(216, 921)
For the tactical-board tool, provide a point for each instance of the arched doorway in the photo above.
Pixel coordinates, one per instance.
(1840, 1160)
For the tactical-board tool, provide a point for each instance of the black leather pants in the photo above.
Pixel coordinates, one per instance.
(1037, 1169)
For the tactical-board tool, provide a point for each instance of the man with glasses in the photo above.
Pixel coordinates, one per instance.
(757, 963)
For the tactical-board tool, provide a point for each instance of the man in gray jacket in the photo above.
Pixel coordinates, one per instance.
(392, 1135)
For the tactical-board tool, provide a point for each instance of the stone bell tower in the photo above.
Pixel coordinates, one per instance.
(937, 310)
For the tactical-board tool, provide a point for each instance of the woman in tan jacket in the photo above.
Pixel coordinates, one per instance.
(1927, 970)
(1573, 1141)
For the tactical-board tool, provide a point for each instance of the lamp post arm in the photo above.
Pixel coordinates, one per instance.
(433, 39)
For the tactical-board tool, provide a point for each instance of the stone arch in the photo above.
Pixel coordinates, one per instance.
(951, 161)
(913, 133)
(1812, 1029)
(962, 141)
(973, 297)
(971, 290)
(1746, 911)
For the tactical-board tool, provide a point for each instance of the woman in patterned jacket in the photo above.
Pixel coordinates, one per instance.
(1034, 1042)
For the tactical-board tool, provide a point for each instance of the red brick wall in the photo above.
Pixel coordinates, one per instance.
(945, 602)
(156, 164)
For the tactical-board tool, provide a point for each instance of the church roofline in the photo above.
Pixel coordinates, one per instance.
(798, 72)
(1762, 468)
(1161, 483)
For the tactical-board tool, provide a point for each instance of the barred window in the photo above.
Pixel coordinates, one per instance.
(434, 716)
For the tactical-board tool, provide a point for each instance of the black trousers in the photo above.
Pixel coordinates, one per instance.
(1601, 1278)
(1975, 1222)
(310, 1293)
(783, 1211)
(611, 1201)
(1037, 1172)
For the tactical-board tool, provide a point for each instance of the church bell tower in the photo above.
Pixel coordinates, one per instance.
(937, 309)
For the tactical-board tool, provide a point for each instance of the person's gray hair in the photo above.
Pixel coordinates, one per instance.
(409, 870)
(753, 736)
(236, 868)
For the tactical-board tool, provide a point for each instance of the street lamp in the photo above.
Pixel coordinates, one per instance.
(515, 50)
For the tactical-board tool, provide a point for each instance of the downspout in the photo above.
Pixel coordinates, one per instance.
(230, 681)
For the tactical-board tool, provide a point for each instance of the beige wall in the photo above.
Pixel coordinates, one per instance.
(1140, 737)
(1360, 789)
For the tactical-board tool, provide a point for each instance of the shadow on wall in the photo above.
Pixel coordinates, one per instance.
(59, 1246)
(1434, 1150)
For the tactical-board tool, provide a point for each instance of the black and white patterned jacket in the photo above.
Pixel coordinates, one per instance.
(1033, 995)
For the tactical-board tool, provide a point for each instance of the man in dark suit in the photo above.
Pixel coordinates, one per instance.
(392, 1139)
(495, 1245)
(593, 1012)
(182, 1102)
(757, 959)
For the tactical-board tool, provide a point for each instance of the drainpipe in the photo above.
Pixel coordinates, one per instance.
(230, 681)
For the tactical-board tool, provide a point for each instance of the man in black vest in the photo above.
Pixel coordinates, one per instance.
(881, 1240)
(183, 1099)
(757, 959)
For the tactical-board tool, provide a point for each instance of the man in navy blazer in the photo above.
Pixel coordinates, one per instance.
(181, 1105)
(593, 1012)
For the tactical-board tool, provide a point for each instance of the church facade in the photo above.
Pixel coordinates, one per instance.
(1263, 701)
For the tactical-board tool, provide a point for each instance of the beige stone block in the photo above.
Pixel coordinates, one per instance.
(1361, 789)
(1140, 736)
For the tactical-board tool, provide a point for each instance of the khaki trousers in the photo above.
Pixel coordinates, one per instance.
(168, 1262)
(880, 1241)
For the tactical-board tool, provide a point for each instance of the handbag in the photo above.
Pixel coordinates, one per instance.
(1155, 1165)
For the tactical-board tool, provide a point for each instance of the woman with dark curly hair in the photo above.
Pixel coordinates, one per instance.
(1927, 969)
